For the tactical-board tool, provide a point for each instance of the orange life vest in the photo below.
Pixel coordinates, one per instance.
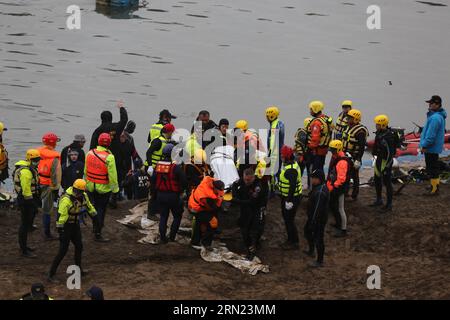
(96, 167)
(204, 191)
(45, 165)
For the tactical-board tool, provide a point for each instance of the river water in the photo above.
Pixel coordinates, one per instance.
(232, 57)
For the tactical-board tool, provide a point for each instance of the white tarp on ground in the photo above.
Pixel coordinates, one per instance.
(219, 253)
(223, 166)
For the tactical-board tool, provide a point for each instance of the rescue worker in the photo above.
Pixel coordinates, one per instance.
(50, 175)
(432, 140)
(77, 145)
(26, 185)
(196, 170)
(165, 117)
(354, 139)
(153, 155)
(290, 187)
(4, 174)
(384, 149)
(170, 183)
(275, 140)
(251, 194)
(337, 183)
(101, 175)
(319, 135)
(204, 204)
(202, 124)
(73, 203)
(342, 120)
(246, 146)
(317, 213)
(301, 146)
(37, 293)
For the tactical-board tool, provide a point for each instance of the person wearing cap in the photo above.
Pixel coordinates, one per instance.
(170, 183)
(50, 174)
(432, 140)
(290, 186)
(153, 155)
(26, 186)
(72, 169)
(204, 204)
(37, 293)
(77, 145)
(165, 117)
(4, 174)
(95, 293)
(342, 120)
(251, 194)
(317, 213)
(73, 203)
(101, 175)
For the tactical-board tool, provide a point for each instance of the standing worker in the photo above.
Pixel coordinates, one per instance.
(3, 156)
(317, 213)
(72, 205)
(342, 120)
(290, 186)
(301, 146)
(26, 185)
(337, 183)
(101, 175)
(384, 149)
(114, 129)
(205, 203)
(275, 140)
(165, 117)
(319, 135)
(50, 175)
(170, 182)
(354, 139)
(432, 140)
(251, 194)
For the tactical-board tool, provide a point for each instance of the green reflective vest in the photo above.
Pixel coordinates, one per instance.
(157, 155)
(155, 131)
(283, 183)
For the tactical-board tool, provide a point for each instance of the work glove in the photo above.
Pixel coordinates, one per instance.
(150, 171)
(288, 205)
(357, 165)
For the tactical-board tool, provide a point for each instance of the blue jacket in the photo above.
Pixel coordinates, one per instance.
(433, 134)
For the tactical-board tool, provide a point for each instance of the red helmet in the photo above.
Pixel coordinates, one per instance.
(287, 152)
(104, 140)
(50, 139)
(169, 128)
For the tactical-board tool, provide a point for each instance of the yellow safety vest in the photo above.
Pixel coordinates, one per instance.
(192, 146)
(155, 131)
(327, 130)
(341, 123)
(34, 180)
(283, 183)
(349, 138)
(157, 155)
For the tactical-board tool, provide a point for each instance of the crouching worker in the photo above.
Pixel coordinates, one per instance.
(317, 212)
(204, 204)
(251, 194)
(73, 203)
(338, 183)
(170, 182)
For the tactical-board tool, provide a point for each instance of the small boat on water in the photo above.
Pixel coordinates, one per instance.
(119, 3)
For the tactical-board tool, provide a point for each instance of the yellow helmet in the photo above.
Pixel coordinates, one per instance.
(316, 106)
(382, 120)
(33, 154)
(306, 122)
(336, 144)
(272, 113)
(2, 127)
(347, 103)
(242, 124)
(355, 114)
(199, 156)
(80, 184)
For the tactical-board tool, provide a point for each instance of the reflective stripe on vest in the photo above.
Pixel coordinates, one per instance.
(325, 134)
(349, 138)
(283, 183)
(34, 180)
(96, 167)
(341, 122)
(157, 155)
(76, 208)
(3, 157)
(155, 131)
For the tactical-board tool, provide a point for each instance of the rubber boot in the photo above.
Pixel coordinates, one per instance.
(434, 187)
